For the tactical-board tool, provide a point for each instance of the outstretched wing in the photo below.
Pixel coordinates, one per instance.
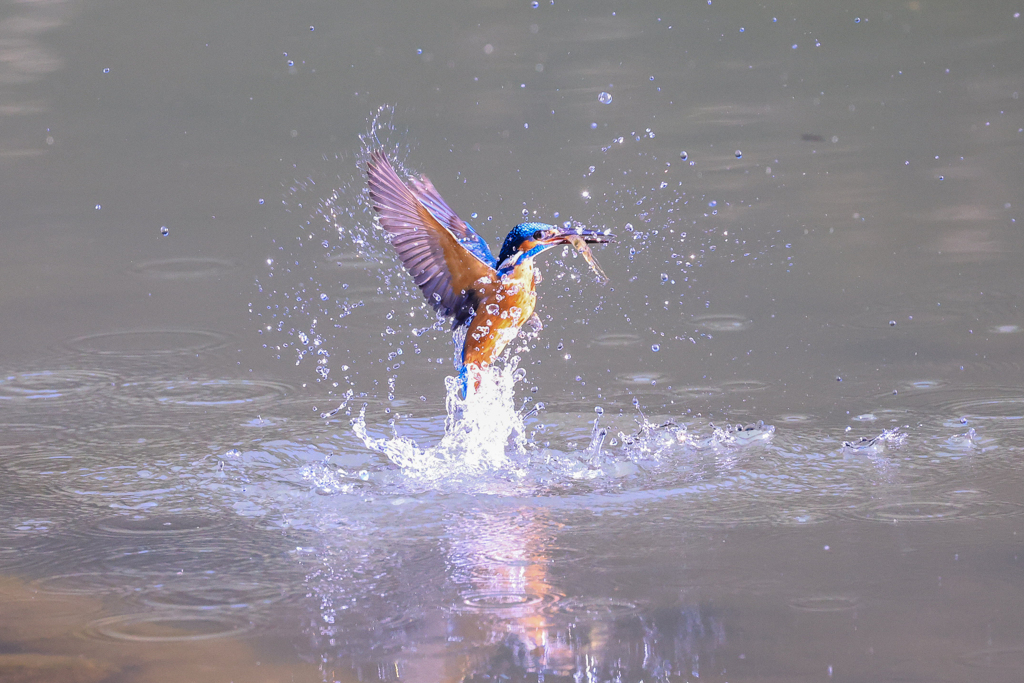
(467, 237)
(438, 249)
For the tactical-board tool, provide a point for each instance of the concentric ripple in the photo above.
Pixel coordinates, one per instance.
(933, 510)
(186, 560)
(132, 437)
(723, 323)
(824, 603)
(641, 378)
(498, 601)
(169, 628)
(615, 341)
(86, 583)
(141, 343)
(213, 594)
(183, 268)
(53, 385)
(159, 525)
(599, 607)
(204, 393)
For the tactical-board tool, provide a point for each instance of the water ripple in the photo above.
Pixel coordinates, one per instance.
(169, 628)
(141, 343)
(203, 393)
(183, 268)
(723, 322)
(53, 385)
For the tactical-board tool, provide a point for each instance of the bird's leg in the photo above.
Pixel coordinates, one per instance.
(534, 322)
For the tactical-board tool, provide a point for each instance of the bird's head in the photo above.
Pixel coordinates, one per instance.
(526, 240)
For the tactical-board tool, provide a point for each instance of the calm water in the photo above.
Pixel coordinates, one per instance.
(780, 445)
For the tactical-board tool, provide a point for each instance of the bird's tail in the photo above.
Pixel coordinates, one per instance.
(465, 372)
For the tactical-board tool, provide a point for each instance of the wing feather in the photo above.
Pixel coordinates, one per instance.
(441, 252)
(467, 237)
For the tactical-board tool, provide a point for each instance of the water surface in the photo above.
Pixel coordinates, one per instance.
(780, 445)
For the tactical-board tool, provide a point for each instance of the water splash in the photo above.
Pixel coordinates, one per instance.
(484, 433)
(893, 438)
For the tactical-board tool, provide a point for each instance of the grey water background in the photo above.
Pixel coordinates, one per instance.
(175, 508)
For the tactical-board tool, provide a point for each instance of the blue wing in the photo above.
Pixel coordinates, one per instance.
(467, 237)
(443, 254)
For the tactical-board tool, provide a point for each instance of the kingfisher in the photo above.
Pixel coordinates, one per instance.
(453, 266)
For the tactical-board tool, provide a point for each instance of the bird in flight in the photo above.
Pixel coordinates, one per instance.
(491, 297)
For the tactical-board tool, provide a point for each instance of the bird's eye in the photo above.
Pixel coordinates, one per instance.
(537, 235)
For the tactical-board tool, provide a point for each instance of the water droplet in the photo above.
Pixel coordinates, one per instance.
(892, 323)
(163, 230)
(323, 297)
(593, 125)
(261, 200)
(683, 155)
(526, 213)
(534, 4)
(655, 347)
(106, 71)
(857, 20)
(98, 207)
(741, 29)
(364, 475)
(739, 154)
(664, 277)
(713, 202)
(473, 215)
(604, 98)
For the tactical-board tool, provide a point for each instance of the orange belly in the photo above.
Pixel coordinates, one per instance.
(504, 306)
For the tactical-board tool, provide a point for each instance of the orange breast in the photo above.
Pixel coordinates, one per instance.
(504, 306)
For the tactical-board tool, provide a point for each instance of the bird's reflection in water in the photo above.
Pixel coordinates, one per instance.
(518, 607)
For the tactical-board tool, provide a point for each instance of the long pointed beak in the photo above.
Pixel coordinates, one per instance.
(561, 235)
